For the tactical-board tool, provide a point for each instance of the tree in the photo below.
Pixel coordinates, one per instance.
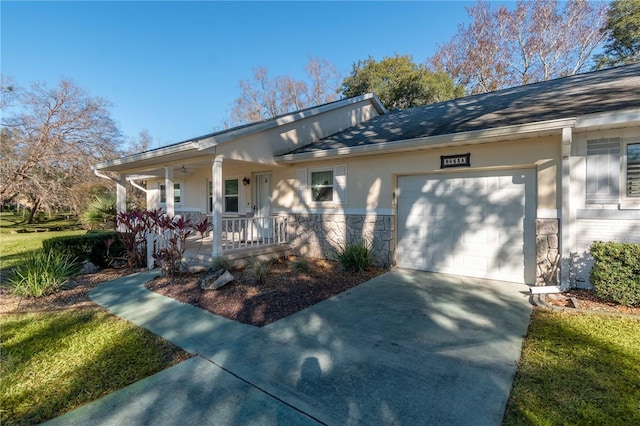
(399, 82)
(622, 32)
(264, 97)
(50, 139)
(536, 41)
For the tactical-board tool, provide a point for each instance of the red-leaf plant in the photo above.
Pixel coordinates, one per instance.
(136, 224)
(171, 243)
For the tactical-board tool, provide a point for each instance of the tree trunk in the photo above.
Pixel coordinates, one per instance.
(34, 209)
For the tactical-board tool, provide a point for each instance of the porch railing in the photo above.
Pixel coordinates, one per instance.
(245, 232)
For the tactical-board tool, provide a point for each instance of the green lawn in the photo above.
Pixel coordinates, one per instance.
(577, 370)
(14, 245)
(54, 362)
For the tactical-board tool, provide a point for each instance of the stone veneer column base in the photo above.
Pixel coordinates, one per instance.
(547, 255)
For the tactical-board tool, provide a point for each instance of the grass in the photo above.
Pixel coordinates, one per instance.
(577, 369)
(13, 246)
(55, 362)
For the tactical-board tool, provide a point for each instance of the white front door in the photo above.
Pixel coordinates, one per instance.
(262, 205)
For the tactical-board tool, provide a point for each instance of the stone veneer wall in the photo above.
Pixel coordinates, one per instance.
(320, 235)
(547, 255)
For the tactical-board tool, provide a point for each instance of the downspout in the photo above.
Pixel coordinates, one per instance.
(103, 176)
(121, 191)
(566, 220)
(136, 185)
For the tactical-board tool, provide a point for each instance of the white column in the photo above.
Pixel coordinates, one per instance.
(168, 185)
(121, 197)
(217, 184)
(566, 221)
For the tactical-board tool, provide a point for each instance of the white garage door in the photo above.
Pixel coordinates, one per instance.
(473, 224)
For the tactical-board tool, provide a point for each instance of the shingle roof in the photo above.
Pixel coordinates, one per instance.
(568, 97)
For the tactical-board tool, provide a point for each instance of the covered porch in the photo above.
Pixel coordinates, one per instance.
(233, 196)
(241, 238)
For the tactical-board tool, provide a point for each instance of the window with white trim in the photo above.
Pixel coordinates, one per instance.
(631, 170)
(176, 193)
(231, 195)
(322, 186)
(603, 171)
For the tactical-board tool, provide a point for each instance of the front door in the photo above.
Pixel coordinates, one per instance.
(262, 205)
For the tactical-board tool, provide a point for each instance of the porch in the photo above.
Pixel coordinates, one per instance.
(240, 238)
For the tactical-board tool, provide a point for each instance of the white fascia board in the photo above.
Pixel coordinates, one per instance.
(208, 142)
(148, 155)
(430, 142)
(610, 118)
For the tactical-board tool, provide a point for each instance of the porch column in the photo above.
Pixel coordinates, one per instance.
(168, 186)
(121, 197)
(566, 218)
(217, 183)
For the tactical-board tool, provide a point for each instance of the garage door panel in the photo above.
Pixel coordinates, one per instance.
(469, 224)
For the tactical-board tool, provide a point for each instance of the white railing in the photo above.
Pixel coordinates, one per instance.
(245, 232)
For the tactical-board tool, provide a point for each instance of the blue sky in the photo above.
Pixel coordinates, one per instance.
(173, 68)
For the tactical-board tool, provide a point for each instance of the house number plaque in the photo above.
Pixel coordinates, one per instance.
(461, 160)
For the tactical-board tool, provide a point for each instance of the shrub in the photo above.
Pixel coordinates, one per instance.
(300, 265)
(615, 275)
(258, 269)
(221, 262)
(42, 272)
(355, 257)
(101, 212)
(97, 247)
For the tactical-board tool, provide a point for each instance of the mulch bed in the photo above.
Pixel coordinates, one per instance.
(283, 293)
(587, 299)
(74, 294)
(247, 301)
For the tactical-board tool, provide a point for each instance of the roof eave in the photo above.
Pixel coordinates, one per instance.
(431, 142)
(147, 155)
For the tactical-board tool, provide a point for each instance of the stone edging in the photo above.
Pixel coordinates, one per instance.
(540, 301)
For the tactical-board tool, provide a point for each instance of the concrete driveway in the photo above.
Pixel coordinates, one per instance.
(406, 348)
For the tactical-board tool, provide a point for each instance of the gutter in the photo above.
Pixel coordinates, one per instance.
(429, 142)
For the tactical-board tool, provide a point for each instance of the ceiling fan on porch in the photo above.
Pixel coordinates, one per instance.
(182, 171)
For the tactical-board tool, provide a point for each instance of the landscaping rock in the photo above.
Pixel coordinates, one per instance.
(89, 268)
(215, 279)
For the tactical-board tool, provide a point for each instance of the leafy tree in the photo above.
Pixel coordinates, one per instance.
(399, 82)
(535, 41)
(265, 97)
(50, 139)
(622, 31)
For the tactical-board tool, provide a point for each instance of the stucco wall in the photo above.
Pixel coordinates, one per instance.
(371, 180)
(260, 148)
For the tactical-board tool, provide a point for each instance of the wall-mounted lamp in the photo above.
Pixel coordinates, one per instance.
(246, 181)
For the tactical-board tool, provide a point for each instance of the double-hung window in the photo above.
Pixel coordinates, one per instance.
(322, 186)
(231, 194)
(176, 193)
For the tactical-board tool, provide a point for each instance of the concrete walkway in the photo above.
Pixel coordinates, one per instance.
(404, 348)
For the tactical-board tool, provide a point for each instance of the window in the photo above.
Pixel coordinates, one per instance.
(322, 186)
(176, 193)
(632, 170)
(231, 195)
(603, 171)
